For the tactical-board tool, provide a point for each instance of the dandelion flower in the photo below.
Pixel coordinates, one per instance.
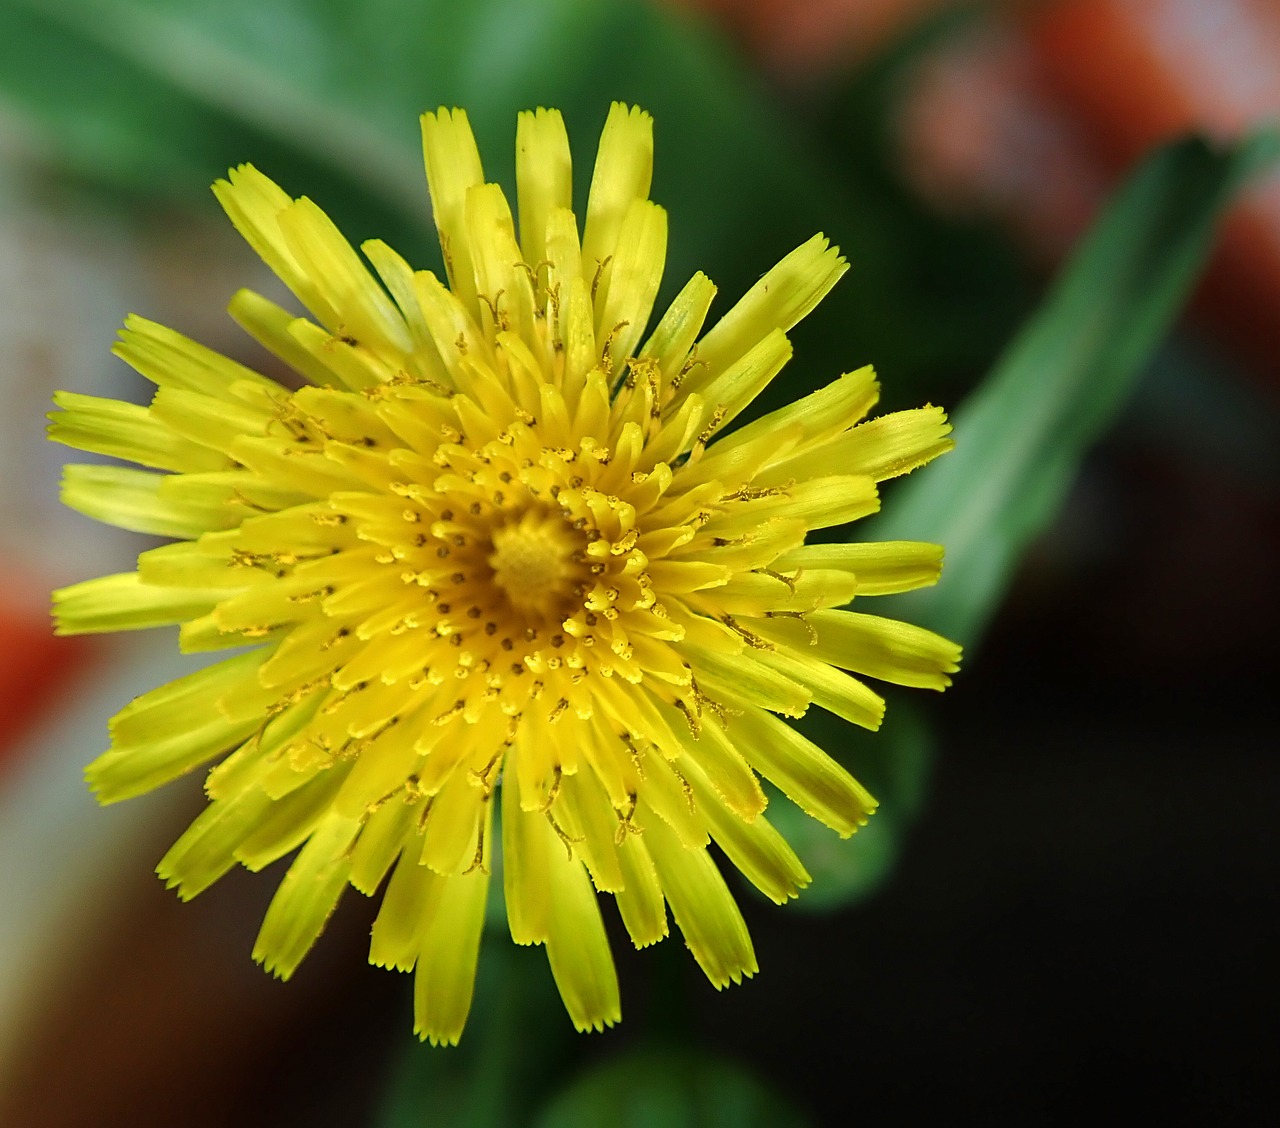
(501, 579)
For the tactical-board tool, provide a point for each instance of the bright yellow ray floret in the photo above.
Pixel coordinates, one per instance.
(498, 553)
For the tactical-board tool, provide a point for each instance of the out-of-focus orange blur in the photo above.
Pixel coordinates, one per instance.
(798, 37)
(34, 665)
(1037, 108)
(1135, 72)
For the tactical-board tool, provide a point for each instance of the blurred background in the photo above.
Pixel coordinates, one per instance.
(1067, 901)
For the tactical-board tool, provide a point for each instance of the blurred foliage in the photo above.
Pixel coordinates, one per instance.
(516, 1042)
(1021, 435)
(894, 764)
(520, 1066)
(1020, 438)
(153, 99)
(664, 1089)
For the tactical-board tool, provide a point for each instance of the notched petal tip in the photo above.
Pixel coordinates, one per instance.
(857, 822)
(596, 1025)
(949, 656)
(631, 111)
(273, 967)
(732, 977)
(176, 884)
(390, 963)
(443, 113)
(437, 1037)
(642, 942)
(96, 779)
(826, 252)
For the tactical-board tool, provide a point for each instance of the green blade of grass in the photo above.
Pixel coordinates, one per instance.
(1021, 435)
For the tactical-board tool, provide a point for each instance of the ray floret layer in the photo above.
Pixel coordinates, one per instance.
(506, 582)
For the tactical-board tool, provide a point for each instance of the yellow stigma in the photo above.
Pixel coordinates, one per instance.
(533, 563)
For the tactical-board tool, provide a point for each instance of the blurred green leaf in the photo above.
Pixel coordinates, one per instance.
(959, 285)
(894, 765)
(156, 98)
(518, 1042)
(160, 96)
(668, 1089)
(1021, 436)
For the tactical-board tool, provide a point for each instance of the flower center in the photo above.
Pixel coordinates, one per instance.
(533, 563)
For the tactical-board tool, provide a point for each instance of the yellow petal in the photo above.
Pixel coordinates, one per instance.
(293, 815)
(802, 771)
(362, 307)
(586, 815)
(882, 648)
(124, 603)
(423, 361)
(445, 978)
(254, 203)
(167, 358)
(544, 177)
(704, 909)
(193, 564)
(832, 689)
(306, 898)
(671, 341)
(525, 865)
(784, 296)
(629, 284)
(721, 765)
(884, 447)
(740, 382)
(759, 852)
(453, 167)
(206, 849)
(894, 444)
(130, 499)
(380, 842)
(164, 737)
(640, 901)
(623, 171)
(503, 287)
(821, 414)
(272, 328)
(407, 906)
(879, 568)
(124, 430)
(453, 837)
(578, 948)
(744, 679)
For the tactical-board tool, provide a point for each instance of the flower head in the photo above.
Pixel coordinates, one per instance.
(500, 562)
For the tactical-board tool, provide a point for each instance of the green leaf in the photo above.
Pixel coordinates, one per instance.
(161, 96)
(894, 764)
(1021, 435)
(156, 98)
(668, 1089)
(516, 1043)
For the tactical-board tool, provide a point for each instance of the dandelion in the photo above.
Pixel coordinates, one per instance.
(501, 581)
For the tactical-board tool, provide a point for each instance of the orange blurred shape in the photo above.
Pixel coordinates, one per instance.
(1136, 72)
(35, 666)
(802, 37)
(980, 135)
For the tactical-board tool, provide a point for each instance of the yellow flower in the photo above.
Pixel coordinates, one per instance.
(496, 552)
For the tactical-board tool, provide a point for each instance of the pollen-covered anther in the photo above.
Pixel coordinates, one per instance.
(752, 639)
